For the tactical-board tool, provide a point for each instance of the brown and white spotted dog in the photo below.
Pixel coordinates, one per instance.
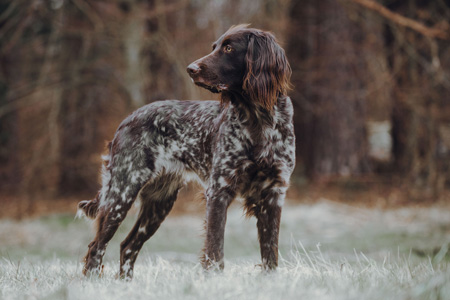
(242, 146)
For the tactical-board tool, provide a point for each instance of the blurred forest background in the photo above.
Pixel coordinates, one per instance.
(371, 89)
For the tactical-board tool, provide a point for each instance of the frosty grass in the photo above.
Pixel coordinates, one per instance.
(327, 251)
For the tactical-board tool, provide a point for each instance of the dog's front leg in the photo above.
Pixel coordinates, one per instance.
(268, 224)
(217, 203)
(266, 206)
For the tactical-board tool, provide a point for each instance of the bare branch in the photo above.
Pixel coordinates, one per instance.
(8, 11)
(167, 8)
(90, 13)
(404, 21)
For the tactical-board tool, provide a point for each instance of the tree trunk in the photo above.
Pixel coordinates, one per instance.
(330, 108)
(418, 105)
(133, 43)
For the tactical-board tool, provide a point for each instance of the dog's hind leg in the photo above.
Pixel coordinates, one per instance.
(110, 215)
(157, 199)
(108, 220)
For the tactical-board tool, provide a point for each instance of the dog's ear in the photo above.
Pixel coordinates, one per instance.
(268, 71)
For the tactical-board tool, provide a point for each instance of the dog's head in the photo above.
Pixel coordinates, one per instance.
(246, 61)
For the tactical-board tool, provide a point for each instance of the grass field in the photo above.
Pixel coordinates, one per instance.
(327, 251)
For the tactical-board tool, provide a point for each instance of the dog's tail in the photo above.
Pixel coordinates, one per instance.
(90, 208)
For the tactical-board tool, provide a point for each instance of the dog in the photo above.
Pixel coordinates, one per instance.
(241, 146)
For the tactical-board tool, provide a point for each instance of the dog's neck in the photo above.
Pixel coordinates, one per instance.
(250, 115)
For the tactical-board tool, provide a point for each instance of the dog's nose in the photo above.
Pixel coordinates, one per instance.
(193, 69)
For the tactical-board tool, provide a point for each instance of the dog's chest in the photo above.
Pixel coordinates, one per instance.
(252, 159)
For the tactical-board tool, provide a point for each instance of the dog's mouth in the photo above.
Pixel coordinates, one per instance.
(214, 88)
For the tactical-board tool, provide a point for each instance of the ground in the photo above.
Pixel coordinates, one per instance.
(328, 250)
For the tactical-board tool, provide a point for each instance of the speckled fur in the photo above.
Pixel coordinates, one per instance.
(235, 147)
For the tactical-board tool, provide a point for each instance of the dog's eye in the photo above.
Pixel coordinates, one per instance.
(228, 49)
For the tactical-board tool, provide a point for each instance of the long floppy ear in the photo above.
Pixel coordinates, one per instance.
(268, 71)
